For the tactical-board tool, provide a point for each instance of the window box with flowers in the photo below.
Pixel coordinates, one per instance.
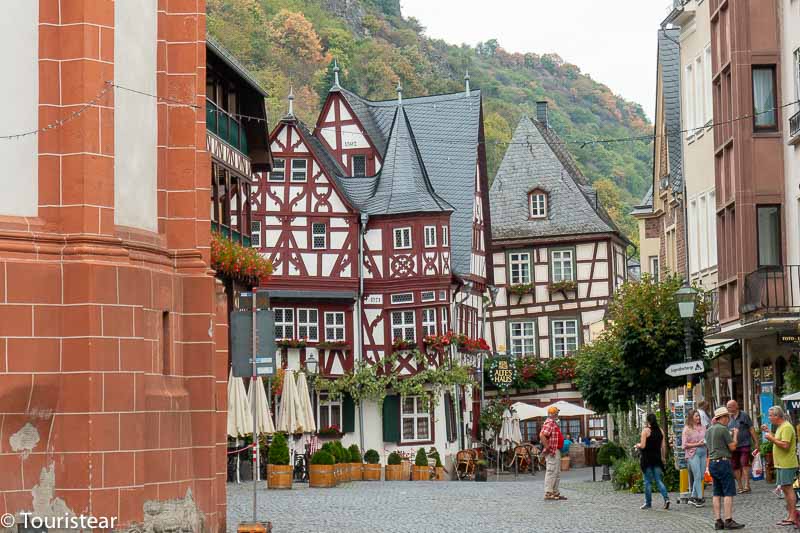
(403, 344)
(563, 286)
(438, 343)
(233, 261)
(468, 345)
(334, 345)
(330, 432)
(291, 343)
(521, 289)
(563, 368)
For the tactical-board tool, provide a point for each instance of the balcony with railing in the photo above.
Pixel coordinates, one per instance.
(712, 311)
(771, 292)
(794, 128)
(226, 127)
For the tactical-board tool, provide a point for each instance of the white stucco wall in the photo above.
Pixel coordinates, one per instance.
(19, 37)
(790, 36)
(135, 119)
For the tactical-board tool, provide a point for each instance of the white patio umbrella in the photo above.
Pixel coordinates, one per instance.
(791, 397)
(240, 418)
(526, 411)
(506, 437)
(288, 421)
(306, 412)
(570, 409)
(264, 426)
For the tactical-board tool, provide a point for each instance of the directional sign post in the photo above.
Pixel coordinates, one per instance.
(685, 369)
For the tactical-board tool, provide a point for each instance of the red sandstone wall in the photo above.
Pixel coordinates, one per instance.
(88, 414)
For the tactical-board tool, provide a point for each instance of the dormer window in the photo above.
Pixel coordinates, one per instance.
(537, 203)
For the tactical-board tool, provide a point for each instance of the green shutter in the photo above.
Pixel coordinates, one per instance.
(348, 414)
(391, 419)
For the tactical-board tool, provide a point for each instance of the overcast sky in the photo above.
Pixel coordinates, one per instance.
(613, 41)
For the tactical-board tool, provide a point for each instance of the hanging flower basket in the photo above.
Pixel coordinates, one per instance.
(291, 343)
(236, 262)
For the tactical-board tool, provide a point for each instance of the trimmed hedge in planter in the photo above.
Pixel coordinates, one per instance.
(394, 467)
(321, 470)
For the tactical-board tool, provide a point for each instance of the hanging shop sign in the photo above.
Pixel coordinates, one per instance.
(789, 338)
(502, 372)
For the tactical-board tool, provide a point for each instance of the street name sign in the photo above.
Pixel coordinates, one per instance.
(686, 369)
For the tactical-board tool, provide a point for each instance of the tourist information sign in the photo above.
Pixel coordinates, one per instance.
(685, 369)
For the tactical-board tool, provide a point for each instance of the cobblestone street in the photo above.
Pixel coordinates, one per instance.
(508, 506)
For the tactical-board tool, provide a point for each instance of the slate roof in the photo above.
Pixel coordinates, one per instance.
(223, 54)
(669, 58)
(445, 129)
(537, 158)
(403, 184)
(646, 205)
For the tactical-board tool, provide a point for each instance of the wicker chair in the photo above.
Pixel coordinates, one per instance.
(465, 464)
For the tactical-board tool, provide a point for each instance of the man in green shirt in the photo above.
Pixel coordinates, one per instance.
(784, 454)
(720, 444)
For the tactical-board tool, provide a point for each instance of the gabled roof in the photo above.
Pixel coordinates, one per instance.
(669, 59)
(646, 205)
(537, 158)
(403, 184)
(445, 128)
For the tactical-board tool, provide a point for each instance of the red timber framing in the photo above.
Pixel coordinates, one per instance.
(338, 115)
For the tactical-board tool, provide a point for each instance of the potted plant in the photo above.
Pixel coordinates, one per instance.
(440, 473)
(279, 472)
(372, 470)
(421, 471)
(394, 467)
(320, 472)
(765, 449)
(355, 463)
(480, 469)
(333, 448)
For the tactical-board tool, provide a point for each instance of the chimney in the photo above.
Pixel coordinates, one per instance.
(291, 102)
(541, 113)
(466, 83)
(399, 93)
(335, 74)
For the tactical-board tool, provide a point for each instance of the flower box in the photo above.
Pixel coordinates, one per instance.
(329, 432)
(403, 344)
(333, 345)
(291, 343)
(563, 287)
(521, 289)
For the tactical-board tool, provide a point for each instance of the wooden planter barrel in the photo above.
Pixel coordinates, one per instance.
(421, 473)
(279, 476)
(441, 475)
(371, 472)
(355, 472)
(565, 462)
(395, 473)
(321, 476)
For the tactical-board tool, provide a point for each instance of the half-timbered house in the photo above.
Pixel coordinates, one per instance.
(557, 258)
(374, 223)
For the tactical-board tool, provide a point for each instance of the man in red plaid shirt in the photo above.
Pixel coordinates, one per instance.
(553, 441)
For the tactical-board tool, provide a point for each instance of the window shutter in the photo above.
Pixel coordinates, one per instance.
(391, 419)
(348, 414)
(449, 417)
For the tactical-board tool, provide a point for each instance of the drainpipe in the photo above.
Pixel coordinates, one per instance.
(359, 328)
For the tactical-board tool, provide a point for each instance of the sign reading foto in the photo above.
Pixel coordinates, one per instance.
(786, 338)
(685, 369)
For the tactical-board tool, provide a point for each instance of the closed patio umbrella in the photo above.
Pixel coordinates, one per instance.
(288, 421)
(506, 437)
(259, 403)
(517, 432)
(306, 411)
(240, 422)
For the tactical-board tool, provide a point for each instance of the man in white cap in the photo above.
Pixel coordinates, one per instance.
(721, 444)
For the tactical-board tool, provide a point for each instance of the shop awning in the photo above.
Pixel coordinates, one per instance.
(715, 350)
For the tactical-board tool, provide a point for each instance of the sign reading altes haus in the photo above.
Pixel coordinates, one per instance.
(502, 373)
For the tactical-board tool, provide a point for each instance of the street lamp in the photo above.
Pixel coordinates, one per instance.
(686, 297)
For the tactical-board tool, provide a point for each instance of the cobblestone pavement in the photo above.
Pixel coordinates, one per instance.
(506, 506)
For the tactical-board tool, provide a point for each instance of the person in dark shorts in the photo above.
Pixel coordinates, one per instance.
(740, 460)
(720, 446)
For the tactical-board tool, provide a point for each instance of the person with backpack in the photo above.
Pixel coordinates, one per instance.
(651, 461)
(553, 441)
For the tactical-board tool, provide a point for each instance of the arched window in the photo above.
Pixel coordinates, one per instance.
(537, 203)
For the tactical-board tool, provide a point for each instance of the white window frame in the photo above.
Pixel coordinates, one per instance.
(654, 267)
(280, 322)
(522, 260)
(699, 94)
(445, 236)
(427, 296)
(405, 238)
(563, 337)
(326, 403)
(297, 170)
(430, 236)
(688, 94)
(305, 323)
(334, 331)
(796, 73)
(417, 413)
(255, 233)
(708, 88)
(562, 258)
(712, 228)
(275, 164)
(695, 244)
(404, 325)
(445, 320)
(428, 321)
(537, 204)
(315, 226)
(522, 338)
(400, 299)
